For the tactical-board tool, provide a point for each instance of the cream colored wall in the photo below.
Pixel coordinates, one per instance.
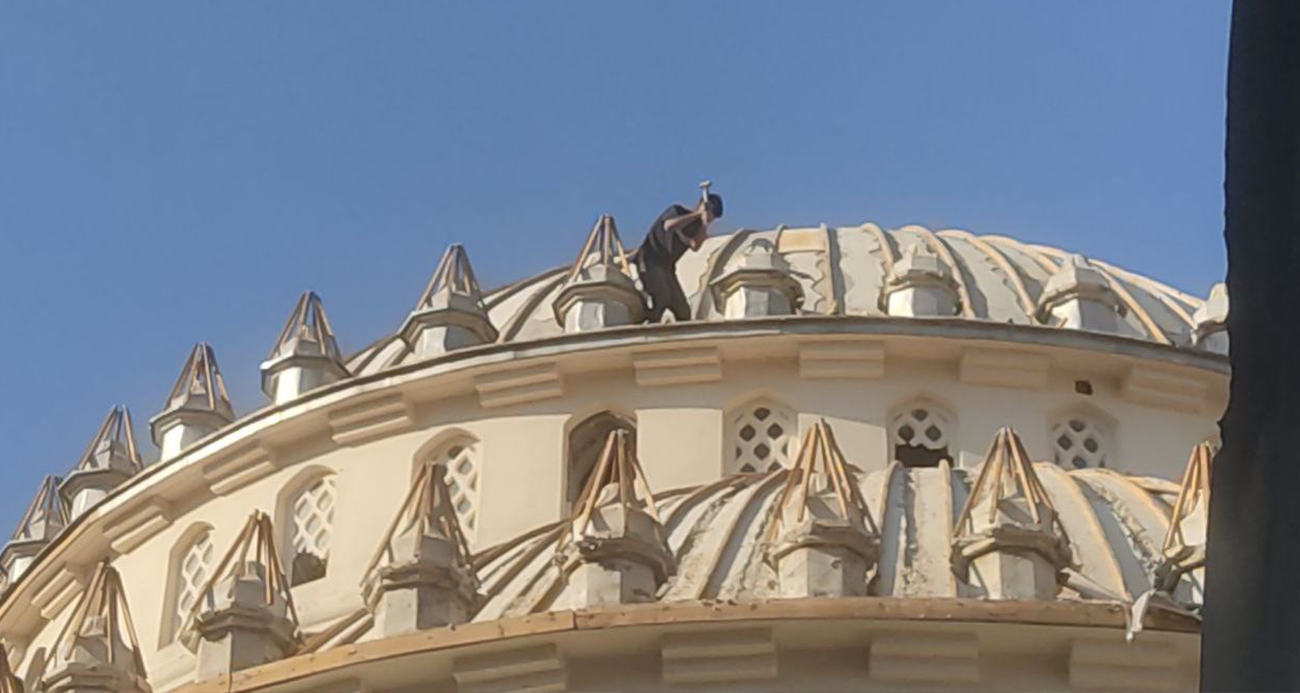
(680, 443)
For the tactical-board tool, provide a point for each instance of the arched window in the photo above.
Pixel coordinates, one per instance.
(1080, 441)
(461, 458)
(760, 435)
(192, 566)
(586, 442)
(311, 513)
(919, 434)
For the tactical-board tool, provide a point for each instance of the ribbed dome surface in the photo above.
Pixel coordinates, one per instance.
(1115, 525)
(843, 271)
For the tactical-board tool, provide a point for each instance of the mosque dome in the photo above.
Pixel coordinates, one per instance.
(872, 460)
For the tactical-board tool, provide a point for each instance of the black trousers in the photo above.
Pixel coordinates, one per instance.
(663, 291)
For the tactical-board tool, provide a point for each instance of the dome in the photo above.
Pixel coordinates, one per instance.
(847, 271)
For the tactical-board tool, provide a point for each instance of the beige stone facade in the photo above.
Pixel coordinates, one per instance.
(985, 441)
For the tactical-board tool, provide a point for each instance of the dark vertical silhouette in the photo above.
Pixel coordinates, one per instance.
(1251, 636)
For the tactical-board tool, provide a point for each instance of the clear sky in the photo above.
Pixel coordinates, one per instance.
(173, 172)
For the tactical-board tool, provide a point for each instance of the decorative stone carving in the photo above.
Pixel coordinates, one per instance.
(599, 291)
(198, 405)
(97, 651)
(306, 356)
(1211, 329)
(921, 285)
(421, 577)
(615, 551)
(1008, 540)
(758, 286)
(450, 314)
(244, 615)
(111, 458)
(46, 516)
(1079, 297)
(822, 539)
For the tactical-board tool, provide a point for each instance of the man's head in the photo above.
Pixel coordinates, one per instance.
(712, 207)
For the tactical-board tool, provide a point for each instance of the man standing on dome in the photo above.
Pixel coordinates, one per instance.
(677, 230)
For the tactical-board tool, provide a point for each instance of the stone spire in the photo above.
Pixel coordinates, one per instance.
(306, 356)
(1079, 297)
(9, 683)
(1008, 533)
(921, 284)
(759, 285)
(450, 314)
(97, 650)
(421, 576)
(1211, 329)
(1183, 550)
(822, 539)
(244, 616)
(197, 406)
(599, 291)
(44, 519)
(614, 550)
(111, 458)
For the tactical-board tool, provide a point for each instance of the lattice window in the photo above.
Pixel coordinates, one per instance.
(461, 459)
(761, 437)
(191, 574)
(920, 434)
(1080, 442)
(312, 514)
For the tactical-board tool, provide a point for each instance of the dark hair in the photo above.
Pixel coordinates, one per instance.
(715, 205)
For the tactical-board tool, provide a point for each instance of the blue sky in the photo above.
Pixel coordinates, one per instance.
(173, 172)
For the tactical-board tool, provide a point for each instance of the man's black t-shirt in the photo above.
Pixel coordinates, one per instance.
(663, 246)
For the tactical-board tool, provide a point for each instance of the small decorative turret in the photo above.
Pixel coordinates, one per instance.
(599, 291)
(44, 519)
(305, 356)
(421, 577)
(822, 539)
(111, 458)
(1211, 330)
(615, 551)
(759, 285)
(97, 650)
(244, 616)
(450, 314)
(1008, 534)
(1079, 297)
(198, 404)
(921, 285)
(1183, 550)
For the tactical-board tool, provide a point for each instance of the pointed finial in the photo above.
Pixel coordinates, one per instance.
(197, 406)
(45, 516)
(821, 473)
(305, 356)
(616, 476)
(1184, 547)
(427, 510)
(113, 446)
(454, 275)
(252, 557)
(99, 634)
(450, 314)
(1009, 528)
(604, 248)
(110, 459)
(200, 386)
